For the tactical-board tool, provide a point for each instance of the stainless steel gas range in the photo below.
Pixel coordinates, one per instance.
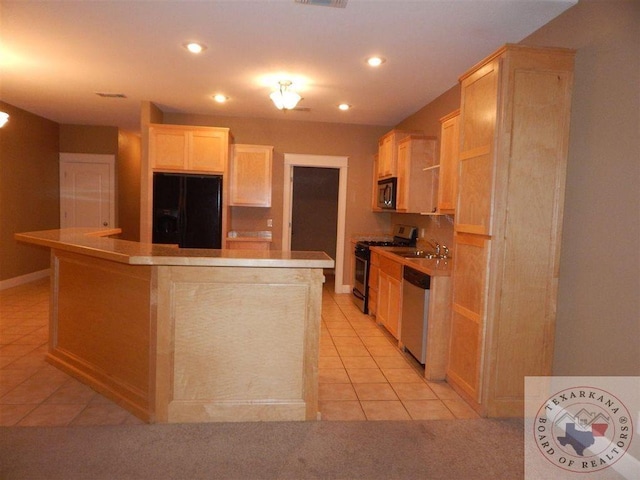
(403, 235)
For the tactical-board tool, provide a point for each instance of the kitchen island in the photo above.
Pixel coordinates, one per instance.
(186, 335)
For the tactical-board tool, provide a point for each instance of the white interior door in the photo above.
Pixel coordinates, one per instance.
(87, 190)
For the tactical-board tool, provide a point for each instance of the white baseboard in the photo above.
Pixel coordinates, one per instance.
(22, 279)
(343, 288)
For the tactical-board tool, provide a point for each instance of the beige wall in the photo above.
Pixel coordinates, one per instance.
(89, 139)
(598, 323)
(358, 142)
(29, 189)
(129, 185)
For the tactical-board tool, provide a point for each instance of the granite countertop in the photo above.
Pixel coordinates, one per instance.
(430, 266)
(95, 242)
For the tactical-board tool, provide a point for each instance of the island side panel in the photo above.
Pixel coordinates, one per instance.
(237, 344)
(100, 325)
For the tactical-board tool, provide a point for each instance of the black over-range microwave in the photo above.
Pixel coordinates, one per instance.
(387, 193)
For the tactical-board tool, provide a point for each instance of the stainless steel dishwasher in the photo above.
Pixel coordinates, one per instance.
(415, 312)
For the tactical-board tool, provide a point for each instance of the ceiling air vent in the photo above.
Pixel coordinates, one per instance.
(324, 3)
(111, 95)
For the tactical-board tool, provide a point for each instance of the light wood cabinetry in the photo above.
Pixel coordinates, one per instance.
(388, 152)
(250, 176)
(514, 120)
(417, 169)
(187, 148)
(389, 309)
(179, 336)
(449, 148)
(374, 279)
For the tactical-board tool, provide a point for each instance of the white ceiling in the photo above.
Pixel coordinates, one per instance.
(56, 55)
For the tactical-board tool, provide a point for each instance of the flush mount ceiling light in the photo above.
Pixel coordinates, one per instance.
(375, 61)
(195, 47)
(220, 98)
(285, 98)
(344, 106)
(4, 118)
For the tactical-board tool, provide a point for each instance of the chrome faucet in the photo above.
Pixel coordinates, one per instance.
(441, 251)
(435, 245)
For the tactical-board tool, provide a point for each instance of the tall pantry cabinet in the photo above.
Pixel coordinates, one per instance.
(514, 128)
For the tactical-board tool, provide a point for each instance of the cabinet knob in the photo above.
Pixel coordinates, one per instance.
(105, 224)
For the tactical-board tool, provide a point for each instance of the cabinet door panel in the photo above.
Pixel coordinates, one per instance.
(463, 359)
(386, 157)
(383, 299)
(473, 214)
(469, 280)
(402, 186)
(251, 176)
(395, 299)
(208, 151)
(479, 107)
(168, 149)
(449, 151)
(477, 131)
(392, 268)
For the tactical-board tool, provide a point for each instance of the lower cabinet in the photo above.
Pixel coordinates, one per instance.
(390, 295)
(374, 269)
(467, 323)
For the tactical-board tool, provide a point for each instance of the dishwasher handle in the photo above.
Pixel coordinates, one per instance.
(417, 278)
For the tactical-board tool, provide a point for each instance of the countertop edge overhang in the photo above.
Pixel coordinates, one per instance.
(434, 267)
(96, 242)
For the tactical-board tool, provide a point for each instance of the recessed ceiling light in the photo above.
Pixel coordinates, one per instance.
(375, 61)
(220, 98)
(195, 47)
(344, 106)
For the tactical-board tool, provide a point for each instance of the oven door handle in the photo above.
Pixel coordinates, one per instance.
(357, 294)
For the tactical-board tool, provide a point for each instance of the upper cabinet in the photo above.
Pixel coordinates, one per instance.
(477, 149)
(250, 176)
(417, 172)
(388, 153)
(187, 148)
(449, 141)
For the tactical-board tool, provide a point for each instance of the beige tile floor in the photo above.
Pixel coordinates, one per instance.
(363, 376)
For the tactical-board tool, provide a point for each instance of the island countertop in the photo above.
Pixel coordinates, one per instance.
(186, 335)
(96, 242)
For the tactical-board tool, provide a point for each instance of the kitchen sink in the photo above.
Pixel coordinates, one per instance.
(419, 254)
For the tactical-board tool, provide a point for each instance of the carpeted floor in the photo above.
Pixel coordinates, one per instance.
(439, 449)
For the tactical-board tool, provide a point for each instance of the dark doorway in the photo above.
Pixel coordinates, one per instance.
(314, 210)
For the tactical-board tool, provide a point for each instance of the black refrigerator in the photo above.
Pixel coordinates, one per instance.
(187, 210)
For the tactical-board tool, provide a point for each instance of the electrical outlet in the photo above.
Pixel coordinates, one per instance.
(270, 222)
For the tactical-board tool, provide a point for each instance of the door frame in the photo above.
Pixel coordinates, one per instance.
(95, 158)
(292, 160)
